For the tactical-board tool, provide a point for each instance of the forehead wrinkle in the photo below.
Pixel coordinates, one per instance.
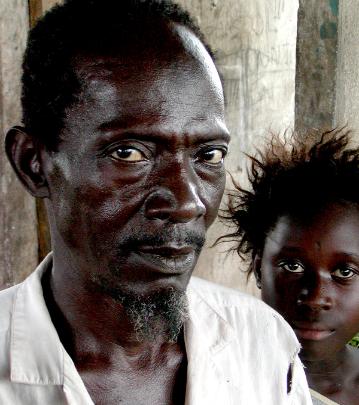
(156, 97)
(130, 68)
(186, 64)
(149, 89)
(210, 125)
(147, 112)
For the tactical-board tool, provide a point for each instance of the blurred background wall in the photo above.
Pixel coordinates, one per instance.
(18, 219)
(285, 64)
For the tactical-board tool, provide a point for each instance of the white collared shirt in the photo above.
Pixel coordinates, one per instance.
(238, 349)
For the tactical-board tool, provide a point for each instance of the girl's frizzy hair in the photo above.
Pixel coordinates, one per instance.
(296, 175)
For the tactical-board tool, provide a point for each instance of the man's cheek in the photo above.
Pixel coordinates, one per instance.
(212, 197)
(116, 209)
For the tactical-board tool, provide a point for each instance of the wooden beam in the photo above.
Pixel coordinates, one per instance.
(35, 11)
(316, 64)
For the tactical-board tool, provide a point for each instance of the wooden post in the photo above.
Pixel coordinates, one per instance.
(316, 64)
(347, 101)
(36, 9)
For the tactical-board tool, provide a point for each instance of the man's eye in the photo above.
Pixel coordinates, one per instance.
(128, 154)
(213, 156)
(293, 267)
(344, 273)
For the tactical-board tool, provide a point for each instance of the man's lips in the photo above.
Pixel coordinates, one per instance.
(168, 259)
(167, 250)
(312, 330)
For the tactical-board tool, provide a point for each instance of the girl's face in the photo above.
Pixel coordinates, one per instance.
(309, 273)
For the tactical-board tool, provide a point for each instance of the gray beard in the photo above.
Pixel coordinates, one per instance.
(160, 314)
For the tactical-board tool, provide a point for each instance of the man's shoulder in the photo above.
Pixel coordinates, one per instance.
(240, 309)
(241, 336)
(222, 296)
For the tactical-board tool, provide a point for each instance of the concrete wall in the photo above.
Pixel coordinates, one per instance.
(347, 90)
(18, 240)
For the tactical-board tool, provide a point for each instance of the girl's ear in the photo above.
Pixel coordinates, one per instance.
(256, 268)
(24, 156)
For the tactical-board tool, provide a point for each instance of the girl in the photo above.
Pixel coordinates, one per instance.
(299, 226)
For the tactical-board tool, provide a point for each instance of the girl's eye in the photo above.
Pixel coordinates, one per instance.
(344, 272)
(213, 156)
(293, 267)
(128, 154)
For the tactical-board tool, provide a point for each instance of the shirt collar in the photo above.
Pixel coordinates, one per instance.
(206, 328)
(207, 336)
(36, 353)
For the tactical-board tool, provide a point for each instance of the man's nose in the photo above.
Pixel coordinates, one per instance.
(176, 197)
(316, 293)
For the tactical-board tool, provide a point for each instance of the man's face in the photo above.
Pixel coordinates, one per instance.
(138, 176)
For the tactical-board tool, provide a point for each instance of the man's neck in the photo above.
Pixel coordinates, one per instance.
(91, 319)
(103, 344)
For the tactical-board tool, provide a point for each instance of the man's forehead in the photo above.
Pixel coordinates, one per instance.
(208, 128)
(142, 90)
(184, 56)
(104, 77)
(151, 91)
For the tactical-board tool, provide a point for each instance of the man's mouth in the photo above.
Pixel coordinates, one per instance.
(169, 259)
(312, 331)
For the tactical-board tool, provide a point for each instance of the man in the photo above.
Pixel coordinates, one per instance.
(124, 137)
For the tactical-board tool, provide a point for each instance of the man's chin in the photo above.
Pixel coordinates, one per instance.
(157, 314)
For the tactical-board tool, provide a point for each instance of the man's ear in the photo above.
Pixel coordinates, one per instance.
(24, 156)
(256, 268)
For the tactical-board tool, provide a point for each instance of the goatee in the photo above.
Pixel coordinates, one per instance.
(160, 314)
